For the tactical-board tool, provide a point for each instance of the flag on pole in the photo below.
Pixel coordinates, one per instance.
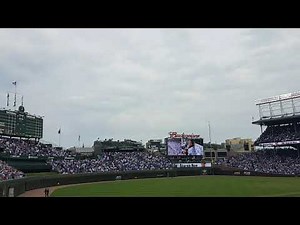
(58, 131)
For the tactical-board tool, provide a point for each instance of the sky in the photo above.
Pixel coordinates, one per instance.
(141, 84)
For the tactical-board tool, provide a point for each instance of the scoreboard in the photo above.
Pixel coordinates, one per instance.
(20, 123)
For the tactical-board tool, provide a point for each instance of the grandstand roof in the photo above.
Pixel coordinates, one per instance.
(277, 120)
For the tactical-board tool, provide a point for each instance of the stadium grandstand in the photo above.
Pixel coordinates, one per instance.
(8, 172)
(110, 155)
(113, 161)
(281, 117)
(277, 148)
(18, 152)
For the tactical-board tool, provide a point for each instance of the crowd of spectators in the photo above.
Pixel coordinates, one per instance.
(266, 161)
(64, 162)
(279, 134)
(21, 147)
(270, 161)
(7, 172)
(113, 161)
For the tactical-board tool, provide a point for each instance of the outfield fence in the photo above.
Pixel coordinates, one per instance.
(11, 188)
(222, 170)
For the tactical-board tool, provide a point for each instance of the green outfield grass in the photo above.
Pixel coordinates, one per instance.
(228, 186)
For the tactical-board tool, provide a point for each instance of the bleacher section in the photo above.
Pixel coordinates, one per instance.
(280, 133)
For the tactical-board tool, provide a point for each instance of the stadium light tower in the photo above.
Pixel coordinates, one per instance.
(209, 134)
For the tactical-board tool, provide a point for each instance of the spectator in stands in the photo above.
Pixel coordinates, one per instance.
(7, 172)
(283, 162)
(279, 133)
(20, 147)
(113, 161)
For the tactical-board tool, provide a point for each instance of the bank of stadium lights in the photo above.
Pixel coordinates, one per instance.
(278, 98)
(280, 105)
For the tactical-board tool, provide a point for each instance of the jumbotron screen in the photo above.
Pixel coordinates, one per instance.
(184, 145)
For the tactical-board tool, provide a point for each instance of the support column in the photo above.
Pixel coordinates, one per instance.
(293, 105)
(281, 108)
(260, 112)
(270, 108)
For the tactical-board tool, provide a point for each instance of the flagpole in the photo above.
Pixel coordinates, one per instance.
(7, 103)
(15, 95)
(59, 137)
(15, 102)
(79, 141)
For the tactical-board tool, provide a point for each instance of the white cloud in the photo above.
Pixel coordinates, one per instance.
(143, 83)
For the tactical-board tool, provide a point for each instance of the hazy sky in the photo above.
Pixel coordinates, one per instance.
(143, 83)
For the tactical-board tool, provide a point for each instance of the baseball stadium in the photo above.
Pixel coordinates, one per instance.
(178, 165)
